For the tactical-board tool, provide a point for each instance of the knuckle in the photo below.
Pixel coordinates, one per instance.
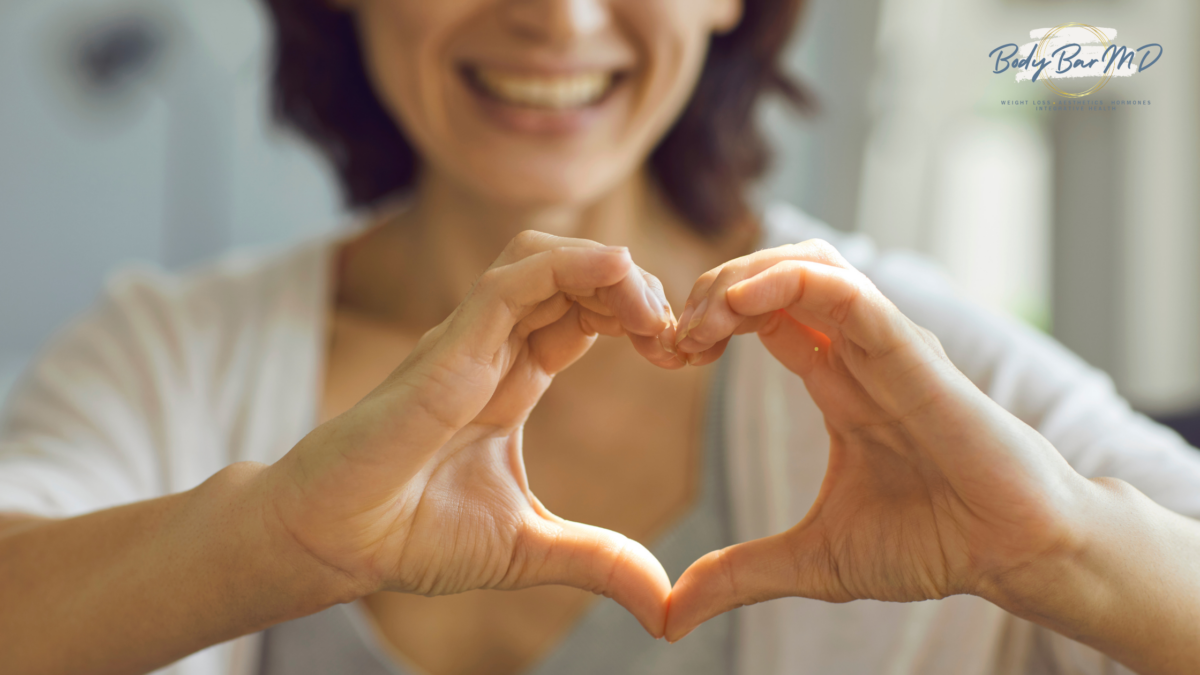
(525, 243)
(823, 251)
(491, 287)
(489, 283)
(706, 280)
(844, 305)
(728, 276)
(528, 238)
(932, 340)
(819, 246)
(618, 562)
(724, 563)
(490, 279)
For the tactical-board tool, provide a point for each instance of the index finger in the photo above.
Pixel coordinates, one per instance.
(841, 299)
(637, 300)
(505, 295)
(708, 319)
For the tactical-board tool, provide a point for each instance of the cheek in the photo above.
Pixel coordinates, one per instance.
(674, 42)
(400, 39)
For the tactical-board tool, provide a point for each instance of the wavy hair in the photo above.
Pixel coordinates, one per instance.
(704, 163)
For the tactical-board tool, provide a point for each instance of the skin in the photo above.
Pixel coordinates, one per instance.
(580, 464)
(482, 185)
(932, 489)
(417, 492)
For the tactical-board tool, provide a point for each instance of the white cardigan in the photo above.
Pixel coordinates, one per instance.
(170, 379)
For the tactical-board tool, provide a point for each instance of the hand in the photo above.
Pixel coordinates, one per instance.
(421, 487)
(932, 489)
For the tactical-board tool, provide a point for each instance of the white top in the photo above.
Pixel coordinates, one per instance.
(170, 379)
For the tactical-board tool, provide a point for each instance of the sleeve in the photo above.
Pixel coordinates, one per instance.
(92, 423)
(1072, 404)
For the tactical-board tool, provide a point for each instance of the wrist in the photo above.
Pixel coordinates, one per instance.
(1072, 584)
(276, 568)
(1129, 589)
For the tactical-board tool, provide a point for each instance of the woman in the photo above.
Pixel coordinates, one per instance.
(325, 450)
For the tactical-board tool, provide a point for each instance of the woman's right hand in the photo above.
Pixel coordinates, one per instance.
(421, 487)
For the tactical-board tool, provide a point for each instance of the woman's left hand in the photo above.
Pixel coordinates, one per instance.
(932, 489)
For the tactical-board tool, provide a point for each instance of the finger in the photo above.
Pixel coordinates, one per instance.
(709, 355)
(504, 296)
(556, 551)
(798, 347)
(451, 377)
(843, 299)
(549, 350)
(895, 362)
(659, 350)
(554, 348)
(531, 242)
(699, 294)
(600, 324)
(664, 353)
(651, 333)
(711, 319)
(546, 313)
(639, 303)
(806, 352)
(638, 300)
(744, 574)
(554, 309)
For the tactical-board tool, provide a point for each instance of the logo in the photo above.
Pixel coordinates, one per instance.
(1073, 51)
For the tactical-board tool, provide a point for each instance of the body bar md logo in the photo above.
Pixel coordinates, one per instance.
(1073, 51)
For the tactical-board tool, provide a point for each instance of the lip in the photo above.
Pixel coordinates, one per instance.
(543, 121)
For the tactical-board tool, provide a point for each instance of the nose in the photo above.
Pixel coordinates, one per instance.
(557, 21)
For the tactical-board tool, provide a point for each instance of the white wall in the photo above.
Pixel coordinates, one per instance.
(180, 169)
(1123, 215)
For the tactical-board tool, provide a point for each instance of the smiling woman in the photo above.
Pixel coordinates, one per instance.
(709, 152)
(403, 449)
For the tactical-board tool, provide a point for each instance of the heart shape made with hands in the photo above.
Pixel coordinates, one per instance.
(427, 492)
(903, 513)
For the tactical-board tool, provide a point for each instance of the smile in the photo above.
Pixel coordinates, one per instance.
(547, 92)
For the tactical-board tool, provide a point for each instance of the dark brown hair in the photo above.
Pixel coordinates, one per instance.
(703, 164)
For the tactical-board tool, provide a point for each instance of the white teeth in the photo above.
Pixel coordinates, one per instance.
(558, 93)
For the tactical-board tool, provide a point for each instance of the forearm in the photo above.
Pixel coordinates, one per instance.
(1130, 590)
(133, 588)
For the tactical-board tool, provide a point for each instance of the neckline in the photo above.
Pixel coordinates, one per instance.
(330, 247)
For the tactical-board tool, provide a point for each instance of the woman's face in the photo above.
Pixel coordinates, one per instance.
(537, 102)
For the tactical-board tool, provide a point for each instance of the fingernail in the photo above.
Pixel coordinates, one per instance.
(655, 302)
(698, 317)
(667, 339)
(693, 359)
(682, 330)
(660, 296)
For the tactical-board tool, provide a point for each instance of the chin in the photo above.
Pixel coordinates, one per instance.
(563, 184)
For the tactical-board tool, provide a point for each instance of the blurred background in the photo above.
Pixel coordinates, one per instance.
(137, 131)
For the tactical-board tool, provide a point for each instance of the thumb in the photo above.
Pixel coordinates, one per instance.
(556, 551)
(744, 574)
